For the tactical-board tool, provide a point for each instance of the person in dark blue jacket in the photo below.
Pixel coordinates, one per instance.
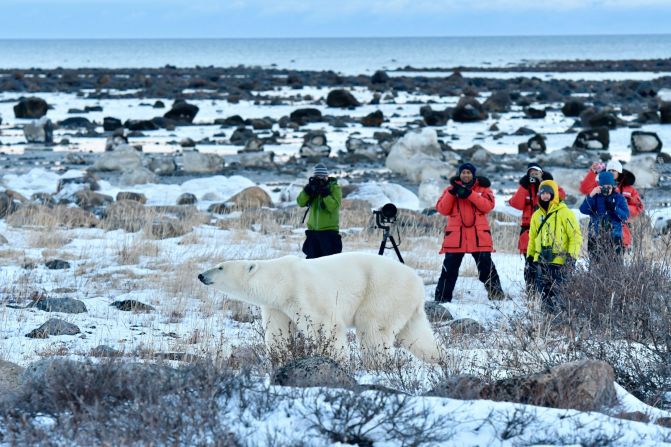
(607, 210)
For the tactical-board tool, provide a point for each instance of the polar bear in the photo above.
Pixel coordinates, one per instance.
(383, 299)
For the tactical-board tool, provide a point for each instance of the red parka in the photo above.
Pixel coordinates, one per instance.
(625, 186)
(525, 199)
(467, 229)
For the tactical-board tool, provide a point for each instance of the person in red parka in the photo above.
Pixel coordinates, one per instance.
(466, 202)
(525, 199)
(624, 185)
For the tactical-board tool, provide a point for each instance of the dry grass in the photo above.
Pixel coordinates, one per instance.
(48, 238)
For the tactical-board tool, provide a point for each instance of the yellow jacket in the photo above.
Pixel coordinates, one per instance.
(561, 231)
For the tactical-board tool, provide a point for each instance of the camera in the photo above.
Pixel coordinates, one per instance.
(385, 215)
(318, 181)
(606, 190)
(546, 255)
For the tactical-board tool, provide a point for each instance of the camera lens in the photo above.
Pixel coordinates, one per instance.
(389, 211)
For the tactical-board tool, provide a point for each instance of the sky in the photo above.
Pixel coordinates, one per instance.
(54, 19)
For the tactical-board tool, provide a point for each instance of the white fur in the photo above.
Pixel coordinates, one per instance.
(382, 298)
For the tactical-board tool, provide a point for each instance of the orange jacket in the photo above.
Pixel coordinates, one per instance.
(467, 229)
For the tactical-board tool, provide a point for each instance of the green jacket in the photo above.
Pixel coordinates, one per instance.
(324, 211)
(561, 231)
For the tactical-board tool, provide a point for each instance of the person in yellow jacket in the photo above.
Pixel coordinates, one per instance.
(554, 242)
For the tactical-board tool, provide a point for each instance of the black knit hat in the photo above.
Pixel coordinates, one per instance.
(468, 166)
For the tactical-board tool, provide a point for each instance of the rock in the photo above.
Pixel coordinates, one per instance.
(584, 385)
(115, 140)
(162, 165)
(254, 144)
(418, 156)
(7, 205)
(105, 351)
(76, 122)
(252, 197)
(362, 150)
(264, 159)
(645, 143)
(138, 176)
(39, 131)
(498, 102)
(31, 107)
(536, 144)
(533, 113)
(434, 117)
(314, 145)
(141, 125)
(261, 123)
(89, 180)
(127, 195)
(379, 77)
(158, 104)
(57, 264)
(593, 139)
(437, 313)
(231, 121)
(10, 377)
(664, 422)
(187, 142)
(54, 326)
(202, 163)
(241, 136)
(665, 113)
(341, 98)
(182, 112)
(186, 199)
(123, 157)
(305, 116)
(64, 305)
(598, 119)
(164, 227)
(468, 109)
(644, 167)
(110, 124)
(312, 372)
(573, 107)
(374, 119)
(132, 306)
(89, 200)
(466, 326)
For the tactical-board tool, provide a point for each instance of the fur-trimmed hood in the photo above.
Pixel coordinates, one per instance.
(628, 178)
(524, 181)
(479, 180)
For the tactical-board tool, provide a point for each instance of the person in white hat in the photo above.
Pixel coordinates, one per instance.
(322, 196)
(624, 184)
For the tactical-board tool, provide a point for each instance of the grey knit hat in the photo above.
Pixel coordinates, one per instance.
(320, 170)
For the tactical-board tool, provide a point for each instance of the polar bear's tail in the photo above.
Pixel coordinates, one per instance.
(418, 337)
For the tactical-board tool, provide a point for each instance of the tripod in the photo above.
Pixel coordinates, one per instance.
(383, 245)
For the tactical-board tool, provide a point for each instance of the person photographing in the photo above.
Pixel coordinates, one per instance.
(323, 197)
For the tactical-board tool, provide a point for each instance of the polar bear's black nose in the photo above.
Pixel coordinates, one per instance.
(202, 278)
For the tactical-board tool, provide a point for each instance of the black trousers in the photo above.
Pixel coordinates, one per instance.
(321, 243)
(549, 278)
(487, 275)
(530, 270)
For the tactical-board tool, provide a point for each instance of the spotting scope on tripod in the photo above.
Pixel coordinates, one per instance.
(384, 218)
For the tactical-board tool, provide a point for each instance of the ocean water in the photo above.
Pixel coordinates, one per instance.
(343, 55)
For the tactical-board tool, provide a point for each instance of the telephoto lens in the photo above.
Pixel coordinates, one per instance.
(389, 211)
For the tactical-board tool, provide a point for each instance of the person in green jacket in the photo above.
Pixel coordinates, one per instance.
(554, 242)
(323, 197)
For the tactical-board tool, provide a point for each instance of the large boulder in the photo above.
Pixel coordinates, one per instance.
(165, 227)
(76, 122)
(138, 176)
(593, 139)
(54, 326)
(418, 156)
(573, 107)
(263, 159)
(162, 165)
(584, 385)
(32, 108)
(468, 109)
(304, 116)
(314, 145)
(63, 305)
(88, 200)
(665, 113)
(39, 131)
(110, 124)
(196, 162)
(379, 77)
(645, 143)
(498, 102)
(123, 157)
(252, 197)
(182, 112)
(434, 117)
(374, 119)
(341, 98)
(10, 377)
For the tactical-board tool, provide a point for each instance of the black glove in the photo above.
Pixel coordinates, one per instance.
(311, 189)
(453, 191)
(324, 190)
(530, 260)
(463, 192)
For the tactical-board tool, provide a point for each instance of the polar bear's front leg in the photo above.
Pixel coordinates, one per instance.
(278, 328)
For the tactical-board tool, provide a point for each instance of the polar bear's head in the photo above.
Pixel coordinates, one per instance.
(231, 277)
